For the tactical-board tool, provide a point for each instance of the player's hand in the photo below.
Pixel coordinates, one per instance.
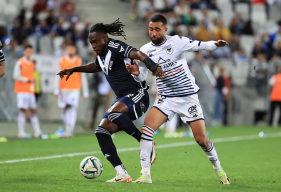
(67, 72)
(133, 69)
(159, 73)
(221, 43)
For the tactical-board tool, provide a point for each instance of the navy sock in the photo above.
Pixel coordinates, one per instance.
(125, 123)
(107, 146)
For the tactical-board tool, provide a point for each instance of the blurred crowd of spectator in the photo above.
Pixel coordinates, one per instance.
(46, 18)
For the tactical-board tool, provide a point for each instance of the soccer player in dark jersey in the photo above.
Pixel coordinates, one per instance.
(132, 97)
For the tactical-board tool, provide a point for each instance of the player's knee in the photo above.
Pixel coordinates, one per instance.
(202, 141)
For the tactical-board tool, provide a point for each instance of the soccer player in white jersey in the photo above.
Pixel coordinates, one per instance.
(177, 92)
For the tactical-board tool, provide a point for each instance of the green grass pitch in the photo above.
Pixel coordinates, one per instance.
(252, 163)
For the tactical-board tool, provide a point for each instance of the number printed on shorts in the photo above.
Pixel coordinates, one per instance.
(160, 100)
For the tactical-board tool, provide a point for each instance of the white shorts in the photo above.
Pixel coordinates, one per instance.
(26, 101)
(68, 98)
(188, 108)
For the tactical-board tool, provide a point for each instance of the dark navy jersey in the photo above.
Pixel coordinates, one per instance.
(113, 66)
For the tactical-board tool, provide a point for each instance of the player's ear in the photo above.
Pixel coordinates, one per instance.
(106, 38)
(166, 29)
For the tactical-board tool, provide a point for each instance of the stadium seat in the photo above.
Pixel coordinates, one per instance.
(213, 14)
(247, 42)
(258, 14)
(32, 41)
(28, 3)
(57, 41)
(243, 9)
(45, 45)
(142, 5)
(17, 3)
(198, 14)
(10, 9)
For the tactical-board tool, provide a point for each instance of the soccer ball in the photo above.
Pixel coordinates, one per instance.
(91, 167)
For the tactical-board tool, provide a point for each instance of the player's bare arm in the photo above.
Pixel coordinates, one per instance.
(2, 69)
(2, 62)
(90, 68)
(133, 69)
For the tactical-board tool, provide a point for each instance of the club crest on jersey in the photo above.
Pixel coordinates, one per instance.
(110, 65)
(169, 50)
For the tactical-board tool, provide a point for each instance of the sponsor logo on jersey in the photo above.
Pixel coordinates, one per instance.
(162, 61)
(169, 50)
(151, 50)
(150, 55)
(166, 63)
(110, 65)
(121, 49)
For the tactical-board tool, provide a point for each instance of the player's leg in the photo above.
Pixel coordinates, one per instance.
(22, 104)
(272, 109)
(154, 119)
(33, 116)
(118, 114)
(191, 113)
(71, 101)
(200, 136)
(103, 134)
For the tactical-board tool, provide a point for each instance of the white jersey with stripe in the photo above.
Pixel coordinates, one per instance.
(170, 55)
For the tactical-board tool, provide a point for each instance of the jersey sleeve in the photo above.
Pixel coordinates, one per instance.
(17, 73)
(187, 45)
(142, 68)
(124, 50)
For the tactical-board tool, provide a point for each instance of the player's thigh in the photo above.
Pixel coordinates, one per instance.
(107, 124)
(22, 101)
(32, 104)
(155, 118)
(120, 107)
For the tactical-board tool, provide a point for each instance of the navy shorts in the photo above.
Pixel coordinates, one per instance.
(137, 102)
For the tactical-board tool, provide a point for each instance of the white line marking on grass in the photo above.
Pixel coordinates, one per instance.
(218, 140)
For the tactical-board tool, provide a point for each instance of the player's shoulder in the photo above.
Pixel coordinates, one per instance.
(177, 38)
(146, 46)
(115, 45)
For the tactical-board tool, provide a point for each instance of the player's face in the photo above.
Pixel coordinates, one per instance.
(157, 32)
(28, 52)
(71, 51)
(98, 41)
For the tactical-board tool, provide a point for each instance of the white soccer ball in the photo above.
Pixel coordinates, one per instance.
(91, 167)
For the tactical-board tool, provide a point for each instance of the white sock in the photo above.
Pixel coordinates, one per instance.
(121, 170)
(212, 155)
(73, 118)
(68, 120)
(21, 123)
(63, 118)
(146, 147)
(35, 123)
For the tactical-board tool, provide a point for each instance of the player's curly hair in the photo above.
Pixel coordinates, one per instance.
(115, 28)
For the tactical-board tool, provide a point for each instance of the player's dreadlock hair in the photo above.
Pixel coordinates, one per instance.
(115, 28)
